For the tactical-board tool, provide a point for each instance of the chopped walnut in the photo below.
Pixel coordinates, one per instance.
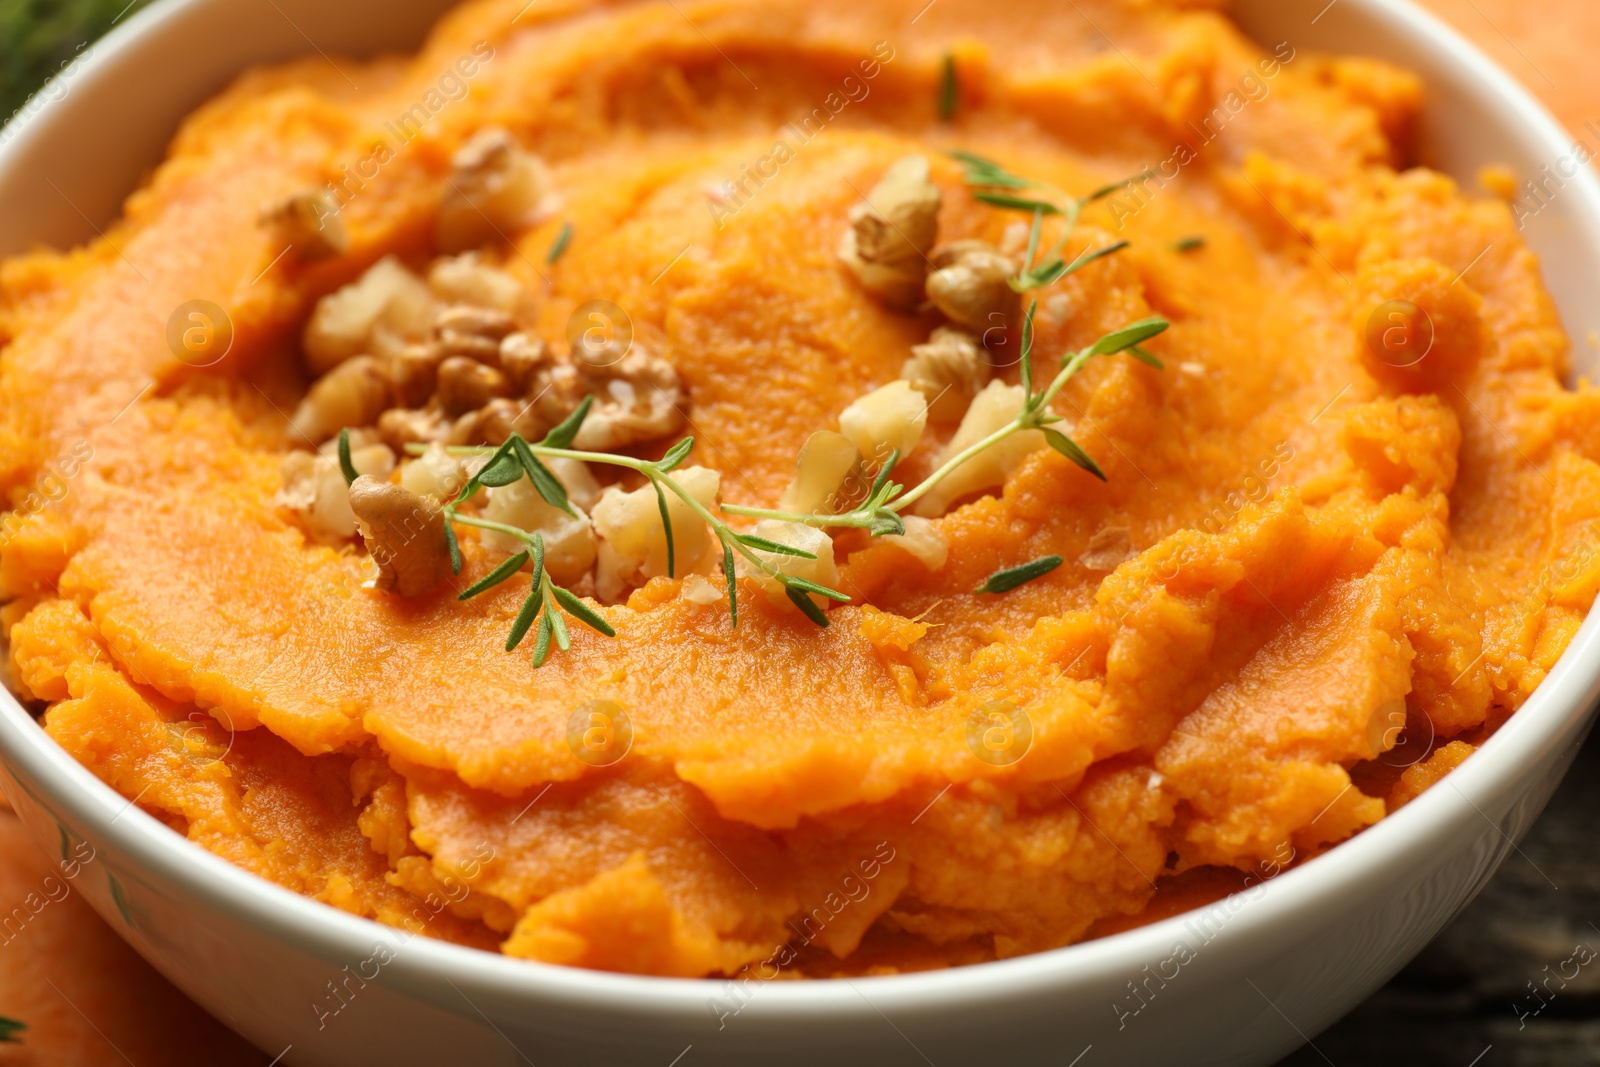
(885, 420)
(971, 285)
(314, 491)
(992, 409)
(892, 233)
(354, 393)
(569, 540)
(923, 541)
(638, 399)
(414, 370)
(405, 534)
(557, 388)
(796, 535)
(633, 543)
(404, 426)
(826, 460)
(948, 371)
(474, 332)
(435, 473)
(521, 356)
(495, 189)
(309, 222)
(498, 420)
(343, 323)
(467, 279)
(467, 385)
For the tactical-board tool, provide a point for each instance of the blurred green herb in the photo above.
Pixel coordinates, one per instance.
(949, 90)
(39, 38)
(993, 184)
(558, 247)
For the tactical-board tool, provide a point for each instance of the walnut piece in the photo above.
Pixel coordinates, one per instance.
(309, 222)
(353, 394)
(314, 493)
(948, 371)
(826, 460)
(495, 189)
(885, 420)
(569, 540)
(992, 409)
(970, 284)
(405, 534)
(344, 321)
(467, 279)
(638, 399)
(633, 545)
(796, 535)
(467, 385)
(892, 233)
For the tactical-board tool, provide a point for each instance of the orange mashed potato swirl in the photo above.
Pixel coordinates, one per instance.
(1307, 555)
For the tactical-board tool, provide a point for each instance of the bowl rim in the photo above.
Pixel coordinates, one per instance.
(1557, 707)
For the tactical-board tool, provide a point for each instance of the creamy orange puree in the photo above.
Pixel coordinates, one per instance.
(1298, 548)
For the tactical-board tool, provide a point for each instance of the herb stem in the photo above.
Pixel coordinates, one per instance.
(453, 515)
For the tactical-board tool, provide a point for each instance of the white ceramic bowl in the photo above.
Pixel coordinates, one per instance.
(1268, 969)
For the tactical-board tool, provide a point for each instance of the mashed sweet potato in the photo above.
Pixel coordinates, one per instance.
(1312, 550)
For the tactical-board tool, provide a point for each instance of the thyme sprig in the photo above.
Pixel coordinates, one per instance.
(996, 186)
(518, 457)
(879, 513)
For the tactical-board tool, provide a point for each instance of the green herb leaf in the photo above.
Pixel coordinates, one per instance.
(346, 467)
(1092, 255)
(793, 582)
(1188, 244)
(525, 616)
(1015, 203)
(1135, 334)
(454, 545)
(475, 483)
(567, 430)
(733, 584)
(1026, 358)
(559, 247)
(9, 1029)
(981, 171)
(541, 643)
(885, 522)
(949, 90)
(807, 605)
(502, 471)
(1035, 232)
(1046, 273)
(582, 612)
(496, 576)
(1143, 356)
(1007, 580)
(1106, 190)
(558, 626)
(883, 475)
(1073, 451)
(666, 526)
(538, 560)
(675, 455)
(543, 479)
(752, 541)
